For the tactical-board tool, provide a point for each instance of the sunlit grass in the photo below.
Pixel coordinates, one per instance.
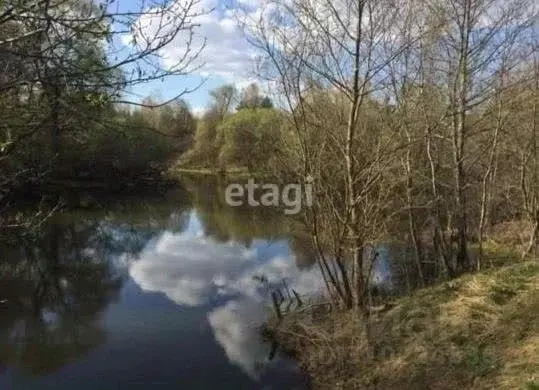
(480, 331)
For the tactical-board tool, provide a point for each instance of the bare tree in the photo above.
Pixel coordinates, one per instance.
(529, 159)
(474, 38)
(224, 99)
(339, 51)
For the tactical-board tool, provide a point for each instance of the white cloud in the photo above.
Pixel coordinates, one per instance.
(226, 53)
(198, 111)
(275, 271)
(235, 325)
(191, 269)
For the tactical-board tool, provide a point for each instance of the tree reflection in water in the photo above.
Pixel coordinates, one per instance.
(55, 289)
(55, 285)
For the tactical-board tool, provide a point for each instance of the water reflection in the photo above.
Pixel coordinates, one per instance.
(233, 328)
(190, 267)
(160, 292)
(193, 269)
(53, 291)
(85, 302)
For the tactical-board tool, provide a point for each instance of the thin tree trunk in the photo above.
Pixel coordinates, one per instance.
(486, 188)
(411, 214)
(533, 207)
(351, 201)
(532, 243)
(439, 239)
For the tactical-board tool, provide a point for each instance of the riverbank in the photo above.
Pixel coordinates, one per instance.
(231, 173)
(480, 331)
(26, 208)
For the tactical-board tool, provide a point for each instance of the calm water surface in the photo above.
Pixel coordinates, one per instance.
(146, 295)
(160, 294)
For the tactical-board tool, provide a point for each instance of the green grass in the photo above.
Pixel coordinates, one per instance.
(497, 254)
(480, 331)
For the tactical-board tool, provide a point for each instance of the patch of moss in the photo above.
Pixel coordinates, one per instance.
(478, 362)
(532, 385)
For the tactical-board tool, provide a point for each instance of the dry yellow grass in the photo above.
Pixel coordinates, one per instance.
(480, 331)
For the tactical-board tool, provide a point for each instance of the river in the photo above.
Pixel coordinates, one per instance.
(159, 293)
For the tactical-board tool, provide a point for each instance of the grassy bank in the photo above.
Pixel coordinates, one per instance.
(480, 331)
(195, 171)
(232, 172)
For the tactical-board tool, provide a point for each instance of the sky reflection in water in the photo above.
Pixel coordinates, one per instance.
(183, 315)
(194, 270)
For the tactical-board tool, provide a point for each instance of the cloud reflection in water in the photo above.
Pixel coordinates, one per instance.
(192, 270)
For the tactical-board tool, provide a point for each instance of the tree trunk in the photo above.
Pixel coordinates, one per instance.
(351, 201)
(459, 133)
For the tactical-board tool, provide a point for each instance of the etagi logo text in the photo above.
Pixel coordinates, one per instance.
(291, 196)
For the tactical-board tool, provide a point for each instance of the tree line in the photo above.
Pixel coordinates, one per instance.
(65, 82)
(239, 129)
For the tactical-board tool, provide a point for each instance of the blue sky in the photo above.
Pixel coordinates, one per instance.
(169, 88)
(226, 58)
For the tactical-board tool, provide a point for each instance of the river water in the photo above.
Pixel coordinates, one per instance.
(157, 293)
